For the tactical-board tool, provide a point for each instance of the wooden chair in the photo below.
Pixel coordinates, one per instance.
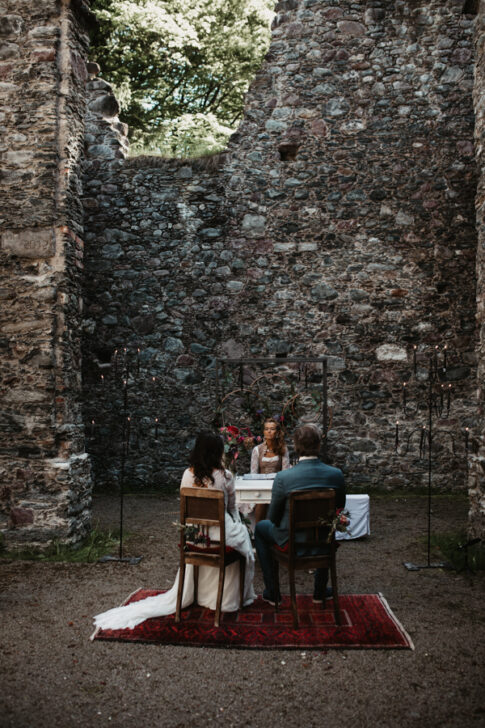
(203, 508)
(308, 509)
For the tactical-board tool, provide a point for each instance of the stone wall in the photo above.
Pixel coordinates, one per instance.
(339, 223)
(151, 229)
(477, 460)
(45, 481)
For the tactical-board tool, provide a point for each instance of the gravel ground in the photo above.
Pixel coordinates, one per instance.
(52, 675)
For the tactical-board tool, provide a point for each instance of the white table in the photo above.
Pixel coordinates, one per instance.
(357, 506)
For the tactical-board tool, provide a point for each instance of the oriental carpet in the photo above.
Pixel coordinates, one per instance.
(367, 623)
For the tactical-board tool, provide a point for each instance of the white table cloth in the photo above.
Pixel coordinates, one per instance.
(357, 506)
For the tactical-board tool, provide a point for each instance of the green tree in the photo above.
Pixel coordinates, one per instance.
(180, 64)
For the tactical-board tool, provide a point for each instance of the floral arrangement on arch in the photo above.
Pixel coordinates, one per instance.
(235, 440)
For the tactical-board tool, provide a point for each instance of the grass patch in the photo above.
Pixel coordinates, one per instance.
(452, 547)
(98, 543)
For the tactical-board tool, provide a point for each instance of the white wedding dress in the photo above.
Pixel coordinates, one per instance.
(237, 536)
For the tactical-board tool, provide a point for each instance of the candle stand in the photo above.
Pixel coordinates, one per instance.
(436, 402)
(122, 373)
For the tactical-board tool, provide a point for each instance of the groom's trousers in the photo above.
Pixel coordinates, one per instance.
(263, 539)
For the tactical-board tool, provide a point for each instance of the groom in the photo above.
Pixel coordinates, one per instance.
(310, 472)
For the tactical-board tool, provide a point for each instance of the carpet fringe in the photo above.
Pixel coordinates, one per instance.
(396, 620)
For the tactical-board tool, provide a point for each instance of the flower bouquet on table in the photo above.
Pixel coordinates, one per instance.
(236, 439)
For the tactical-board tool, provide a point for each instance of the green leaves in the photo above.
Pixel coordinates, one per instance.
(175, 62)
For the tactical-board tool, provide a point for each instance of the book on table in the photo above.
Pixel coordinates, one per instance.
(258, 476)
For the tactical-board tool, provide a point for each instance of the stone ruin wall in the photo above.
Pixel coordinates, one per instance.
(340, 222)
(45, 485)
(477, 462)
(143, 254)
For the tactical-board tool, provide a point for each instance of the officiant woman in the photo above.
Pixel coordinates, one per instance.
(269, 457)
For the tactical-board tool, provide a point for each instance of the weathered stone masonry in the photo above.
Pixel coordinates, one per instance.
(477, 469)
(44, 472)
(340, 223)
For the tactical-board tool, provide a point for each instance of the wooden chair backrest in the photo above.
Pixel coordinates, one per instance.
(309, 509)
(203, 507)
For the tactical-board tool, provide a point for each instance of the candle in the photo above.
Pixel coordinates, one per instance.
(92, 428)
(404, 394)
(414, 358)
(435, 358)
(138, 361)
(441, 395)
(467, 432)
(102, 380)
(448, 399)
(156, 428)
(125, 393)
(397, 435)
(444, 357)
(115, 361)
(137, 435)
(128, 419)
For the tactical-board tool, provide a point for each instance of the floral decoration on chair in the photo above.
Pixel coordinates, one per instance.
(340, 523)
(193, 534)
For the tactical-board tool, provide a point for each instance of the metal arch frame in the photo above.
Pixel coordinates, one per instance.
(274, 362)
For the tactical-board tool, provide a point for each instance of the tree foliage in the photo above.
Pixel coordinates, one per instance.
(177, 62)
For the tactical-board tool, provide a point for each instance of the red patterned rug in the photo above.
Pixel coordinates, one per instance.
(367, 622)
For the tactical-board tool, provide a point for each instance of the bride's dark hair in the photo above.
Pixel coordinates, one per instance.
(206, 456)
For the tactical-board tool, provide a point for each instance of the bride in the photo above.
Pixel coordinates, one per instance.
(206, 470)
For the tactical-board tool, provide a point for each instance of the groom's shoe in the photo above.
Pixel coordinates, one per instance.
(319, 599)
(268, 597)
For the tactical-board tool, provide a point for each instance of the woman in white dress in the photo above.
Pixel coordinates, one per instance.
(269, 457)
(205, 471)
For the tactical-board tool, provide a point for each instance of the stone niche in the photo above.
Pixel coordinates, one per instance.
(340, 222)
(45, 484)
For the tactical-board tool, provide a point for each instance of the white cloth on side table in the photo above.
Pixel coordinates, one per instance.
(358, 510)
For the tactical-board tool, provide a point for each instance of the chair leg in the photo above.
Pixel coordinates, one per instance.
(276, 582)
(180, 592)
(336, 606)
(291, 576)
(219, 596)
(196, 583)
(242, 571)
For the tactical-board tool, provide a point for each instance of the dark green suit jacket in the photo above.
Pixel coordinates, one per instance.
(306, 474)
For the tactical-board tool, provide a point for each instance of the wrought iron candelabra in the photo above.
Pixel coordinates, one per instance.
(436, 400)
(120, 380)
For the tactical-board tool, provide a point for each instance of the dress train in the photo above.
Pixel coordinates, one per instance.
(237, 536)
